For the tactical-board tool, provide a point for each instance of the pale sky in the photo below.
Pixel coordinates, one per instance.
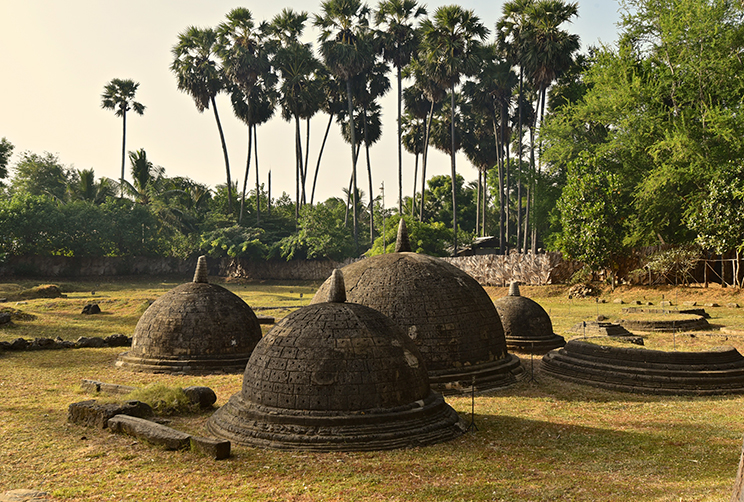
(56, 57)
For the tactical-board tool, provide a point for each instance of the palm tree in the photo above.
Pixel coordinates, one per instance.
(400, 40)
(84, 187)
(510, 40)
(146, 177)
(247, 66)
(118, 95)
(548, 53)
(332, 104)
(422, 98)
(413, 142)
(451, 43)
(491, 94)
(199, 75)
(347, 49)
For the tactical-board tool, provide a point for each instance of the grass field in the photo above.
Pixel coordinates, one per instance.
(541, 440)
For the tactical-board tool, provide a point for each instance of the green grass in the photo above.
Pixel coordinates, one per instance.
(541, 440)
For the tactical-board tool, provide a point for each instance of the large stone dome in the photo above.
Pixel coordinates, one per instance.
(336, 376)
(196, 327)
(527, 327)
(446, 312)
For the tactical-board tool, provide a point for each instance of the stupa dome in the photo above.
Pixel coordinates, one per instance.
(196, 327)
(336, 376)
(443, 310)
(527, 327)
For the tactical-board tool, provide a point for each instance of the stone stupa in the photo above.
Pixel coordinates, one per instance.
(336, 376)
(443, 310)
(527, 327)
(195, 328)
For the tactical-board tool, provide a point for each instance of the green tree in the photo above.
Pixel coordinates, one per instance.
(322, 233)
(6, 150)
(83, 186)
(592, 212)
(41, 175)
(452, 41)
(400, 40)
(199, 75)
(118, 95)
(429, 238)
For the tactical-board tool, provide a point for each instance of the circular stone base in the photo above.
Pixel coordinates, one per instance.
(188, 365)
(487, 376)
(421, 423)
(535, 346)
(685, 322)
(627, 369)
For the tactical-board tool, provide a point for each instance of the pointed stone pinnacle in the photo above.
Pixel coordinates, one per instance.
(337, 289)
(402, 244)
(514, 288)
(200, 275)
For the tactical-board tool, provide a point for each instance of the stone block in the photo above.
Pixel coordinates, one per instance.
(203, 396)
(91, 308)
(732, 305)
(154, 433)
(93, 413)
(619, 301)
(84, 342)
(215, 448)
(689, 303)
(4, 318)
(665, 303)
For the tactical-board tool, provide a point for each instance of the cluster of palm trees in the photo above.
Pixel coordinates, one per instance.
(466, 92)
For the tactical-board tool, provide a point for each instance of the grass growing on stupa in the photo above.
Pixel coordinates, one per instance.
(541, 440)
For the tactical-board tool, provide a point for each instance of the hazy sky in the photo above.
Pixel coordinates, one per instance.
(57, 56)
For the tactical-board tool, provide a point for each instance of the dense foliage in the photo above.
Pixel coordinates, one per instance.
(630, 144)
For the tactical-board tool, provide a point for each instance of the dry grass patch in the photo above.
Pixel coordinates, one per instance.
(537, 441)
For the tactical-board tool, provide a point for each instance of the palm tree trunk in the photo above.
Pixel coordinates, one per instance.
(519, 151)
(258, 192)
(307, 160)
(224, 152)
(320, 154)
(423, 160)
(369, 175)
(415, 178)
(452, 165)
(400, 146)
(123, 150)
(478, 203)
(247, 169)
(298, 160)
(353, 163)
(499, 139)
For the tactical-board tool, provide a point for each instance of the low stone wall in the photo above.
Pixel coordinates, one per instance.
(65, 266)
(280, 270)
(533, 269)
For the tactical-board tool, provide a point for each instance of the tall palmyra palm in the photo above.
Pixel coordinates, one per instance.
(400, 40)
(452, 42)
(347, 50)
(246, 64)
(199, 75)
(548, 52)
(118, 95)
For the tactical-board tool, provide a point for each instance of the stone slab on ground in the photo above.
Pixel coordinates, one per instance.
(24, 496)
(216, 448)
(107, 388)
(93, 413)
(149, 431)
(203, 396)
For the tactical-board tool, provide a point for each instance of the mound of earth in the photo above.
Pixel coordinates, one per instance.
(42, 291)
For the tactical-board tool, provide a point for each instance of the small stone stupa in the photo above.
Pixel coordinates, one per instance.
(443, 310)
(336, 376)
(527, 327)
(195, 328)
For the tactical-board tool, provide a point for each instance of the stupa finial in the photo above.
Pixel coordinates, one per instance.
(514, 288)
(402, 244)
(200, 275)
(337, 289)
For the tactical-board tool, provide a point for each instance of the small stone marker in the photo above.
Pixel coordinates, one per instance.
(4, 318)
(689, 303)
(215, 448)
(732, 305)
(665, 303)
(91, 308)
(108, 388)
(619, 301)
